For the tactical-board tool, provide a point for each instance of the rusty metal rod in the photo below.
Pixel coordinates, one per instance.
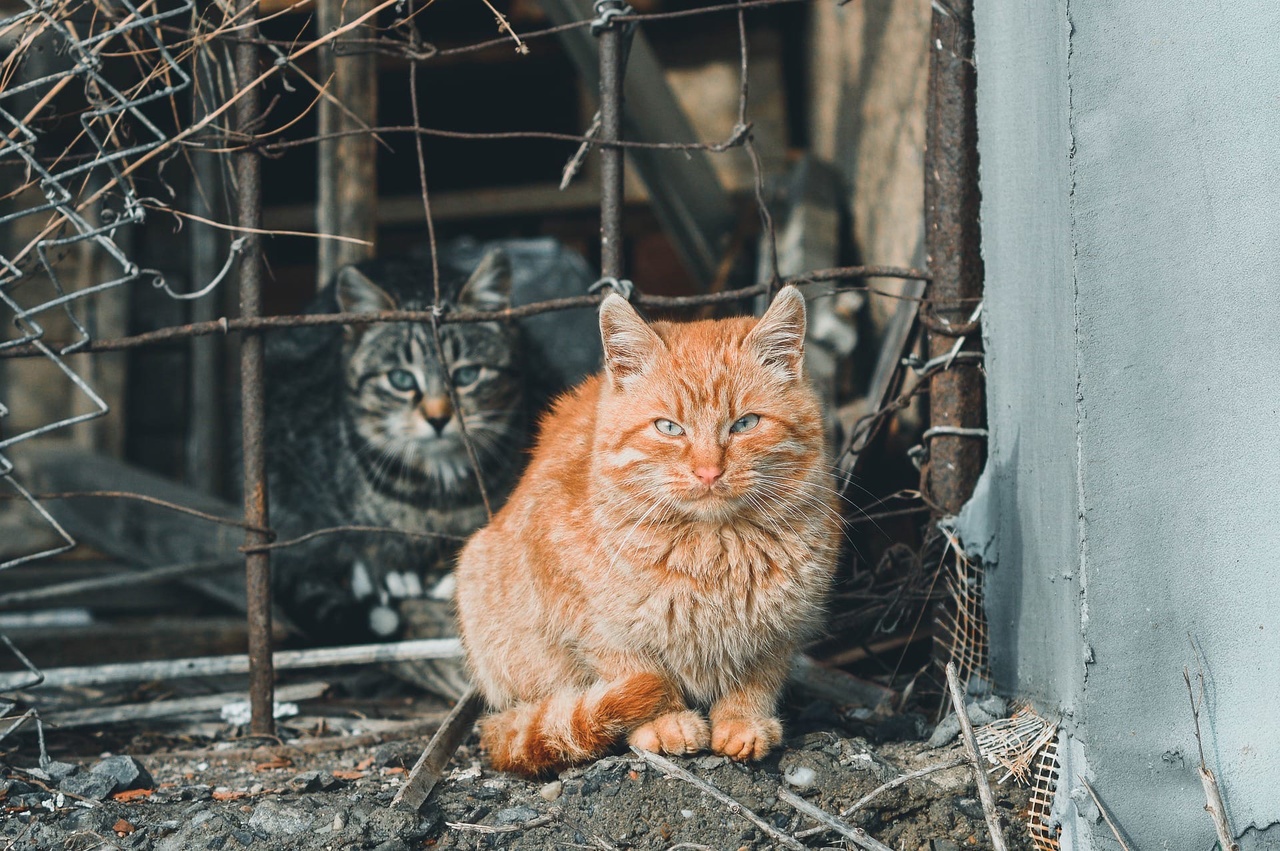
(271, 323)
(611, 159)
(953, 246)
(257, 564)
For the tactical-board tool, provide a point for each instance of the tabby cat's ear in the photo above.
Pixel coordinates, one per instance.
(489, 287)
(778, 338)
(629, 343)
(357, 294)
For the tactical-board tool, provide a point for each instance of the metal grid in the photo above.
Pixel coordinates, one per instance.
(91, 192)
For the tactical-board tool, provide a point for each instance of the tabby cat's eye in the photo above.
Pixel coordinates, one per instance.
(668, 428)
(464, 376)
(744, 423)
(402, 380)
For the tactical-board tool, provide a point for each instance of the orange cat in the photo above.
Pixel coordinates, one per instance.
(670, 546)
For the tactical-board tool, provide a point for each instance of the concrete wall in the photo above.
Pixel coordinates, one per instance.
(1131, 233)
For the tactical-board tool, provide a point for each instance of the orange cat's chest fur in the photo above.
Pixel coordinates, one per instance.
(669, 547)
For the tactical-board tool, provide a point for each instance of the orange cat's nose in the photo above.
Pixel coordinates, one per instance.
(708, 475)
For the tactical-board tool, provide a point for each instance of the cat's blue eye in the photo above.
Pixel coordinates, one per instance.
(668, 428)
(402, 380)
(744, 423)
(465, 376)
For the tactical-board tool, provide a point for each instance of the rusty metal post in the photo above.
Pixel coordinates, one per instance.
(957, 408)
(612, 160)
(257, 565)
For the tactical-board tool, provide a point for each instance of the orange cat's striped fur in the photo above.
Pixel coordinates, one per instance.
(667, 550)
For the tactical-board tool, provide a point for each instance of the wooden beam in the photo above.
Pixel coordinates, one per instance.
(348, 165)
(694, 208)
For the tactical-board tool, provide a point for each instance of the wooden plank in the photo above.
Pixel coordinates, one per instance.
(347, 175)
(96, 715)
(837, 686)
(153, 639)
(695, 210)
(209, 666)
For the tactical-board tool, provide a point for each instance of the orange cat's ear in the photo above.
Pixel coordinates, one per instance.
(778, 338)
(629, 344)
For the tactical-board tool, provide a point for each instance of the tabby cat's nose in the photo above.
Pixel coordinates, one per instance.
(437, 410)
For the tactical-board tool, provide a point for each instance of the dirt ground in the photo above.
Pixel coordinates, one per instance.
(225, 795)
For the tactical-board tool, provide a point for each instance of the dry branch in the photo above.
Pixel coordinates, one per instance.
(1214, 804)
(975, 758)
(885, 787)
(1115, 831)
(856, 835)
(670, 769)
(429, 768)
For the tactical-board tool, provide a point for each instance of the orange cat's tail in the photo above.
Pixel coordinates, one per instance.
(571, 726)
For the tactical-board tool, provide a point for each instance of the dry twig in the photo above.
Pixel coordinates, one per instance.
(670, 769)
(429, 768)
(1214, 804)
(856, 835)
(901, 780)
(1106, 816)
(975, 758)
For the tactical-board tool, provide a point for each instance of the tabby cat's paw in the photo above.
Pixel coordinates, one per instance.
(675, 732)
(746, 738)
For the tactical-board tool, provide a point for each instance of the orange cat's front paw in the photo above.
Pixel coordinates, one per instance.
(675, 732)
(746, 738)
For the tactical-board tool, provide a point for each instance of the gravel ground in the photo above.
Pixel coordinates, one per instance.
(282, 800)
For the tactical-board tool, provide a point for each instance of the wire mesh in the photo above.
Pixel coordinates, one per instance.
(86, 189)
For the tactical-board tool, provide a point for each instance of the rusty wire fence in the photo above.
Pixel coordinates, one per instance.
(116, 168)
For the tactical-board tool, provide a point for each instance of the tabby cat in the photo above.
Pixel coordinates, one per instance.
(669, 547)
(362, 431)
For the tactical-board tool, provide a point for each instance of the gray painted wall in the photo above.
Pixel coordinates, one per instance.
(1131, 233)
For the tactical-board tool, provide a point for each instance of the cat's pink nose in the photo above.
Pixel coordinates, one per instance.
(708, 475)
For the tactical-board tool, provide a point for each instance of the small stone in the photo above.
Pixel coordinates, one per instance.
(551, 791)
(686, 813)
(392, 845)
(397, 755)
(800, 776)
(515, 815)
(127, 772)
(970, 808)
(273, 819)
(709, 763)
(244, 837)
(312, 781)
(339, 822)
(59, 771)
(94, 787)
(944, 845)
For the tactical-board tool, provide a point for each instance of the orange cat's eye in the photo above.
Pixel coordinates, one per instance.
(744, 423)
(668, 428)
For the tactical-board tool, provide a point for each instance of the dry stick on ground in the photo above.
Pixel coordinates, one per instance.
(506, 828)
(1214, 805)
(429, 768)
(670, 769)
(856, 835)
(979, 772)
(409, 728)
(885, 787)
(1115, 831)
(171, 708)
